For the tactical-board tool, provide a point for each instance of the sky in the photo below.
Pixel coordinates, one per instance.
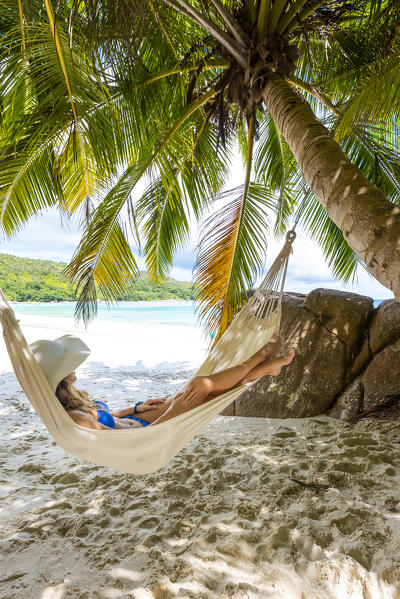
(45, 237)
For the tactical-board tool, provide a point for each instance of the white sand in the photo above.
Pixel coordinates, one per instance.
(223, 519)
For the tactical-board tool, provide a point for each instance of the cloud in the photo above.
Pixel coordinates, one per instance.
(308, 270)
(48, 238)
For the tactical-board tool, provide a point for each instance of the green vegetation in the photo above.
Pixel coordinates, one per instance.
(28, 280)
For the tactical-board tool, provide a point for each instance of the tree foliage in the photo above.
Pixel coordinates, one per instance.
(30, 280)
(130, 112)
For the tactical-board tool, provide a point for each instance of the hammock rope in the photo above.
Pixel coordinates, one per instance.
(145, 450)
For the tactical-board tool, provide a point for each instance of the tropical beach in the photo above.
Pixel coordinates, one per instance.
(199, 244)
(224, 519)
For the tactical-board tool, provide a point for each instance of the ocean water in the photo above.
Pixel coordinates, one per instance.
(377, 302)
(121, 318)
(143, 333)
(157, 313)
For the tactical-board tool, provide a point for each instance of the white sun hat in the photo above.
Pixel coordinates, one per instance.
(60, 357)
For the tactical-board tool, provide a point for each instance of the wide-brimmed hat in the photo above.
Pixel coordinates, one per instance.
(60, 357)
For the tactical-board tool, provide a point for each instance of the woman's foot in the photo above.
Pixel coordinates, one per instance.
(273, 367)
(271, 348)
(270, 367)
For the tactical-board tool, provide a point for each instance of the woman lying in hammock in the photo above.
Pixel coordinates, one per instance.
(96, 414)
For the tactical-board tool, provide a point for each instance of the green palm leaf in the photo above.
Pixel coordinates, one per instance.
(375, 99)
(231, 253)
(166, 227)
(276, 167)
(27, 186)
(169, 202)
(375, 150)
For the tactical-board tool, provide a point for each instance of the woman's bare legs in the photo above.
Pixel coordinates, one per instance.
(268, 366)
(230, 377)
(203, 388)
(271, 367)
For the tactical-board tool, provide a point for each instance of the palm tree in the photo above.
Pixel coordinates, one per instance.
(99, 96)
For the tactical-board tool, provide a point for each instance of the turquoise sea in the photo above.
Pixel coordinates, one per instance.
(125, 333)
(164, 313)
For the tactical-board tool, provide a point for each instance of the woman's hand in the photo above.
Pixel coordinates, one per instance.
(150, 404)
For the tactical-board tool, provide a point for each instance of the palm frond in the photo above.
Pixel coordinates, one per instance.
(177, 195)
(231, 253)
(374, 148)
(166, 226)
(83, 151)
(276, 167)
(375, 99)
(263, 18)
(28, 186)
(107, 263)
(60, 53)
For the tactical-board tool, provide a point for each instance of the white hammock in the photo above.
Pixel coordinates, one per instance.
(145, 450)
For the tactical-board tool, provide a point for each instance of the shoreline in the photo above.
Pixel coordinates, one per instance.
(121, 337)
(105, 302)
(117, 302)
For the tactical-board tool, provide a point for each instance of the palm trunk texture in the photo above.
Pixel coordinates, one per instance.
(369, 222)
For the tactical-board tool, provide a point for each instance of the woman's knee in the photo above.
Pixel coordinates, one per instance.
(202, 383)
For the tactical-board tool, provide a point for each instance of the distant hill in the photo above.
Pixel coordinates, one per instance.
(29, 280)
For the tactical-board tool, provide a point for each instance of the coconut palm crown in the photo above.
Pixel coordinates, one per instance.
(130, 112)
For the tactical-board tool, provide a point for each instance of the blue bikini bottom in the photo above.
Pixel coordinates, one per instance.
(105, 417)
(142, 422)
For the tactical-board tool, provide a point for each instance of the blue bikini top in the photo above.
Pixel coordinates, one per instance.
(104, 415)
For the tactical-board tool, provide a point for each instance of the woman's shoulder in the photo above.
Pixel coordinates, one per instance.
(76, 412)
(84, 419)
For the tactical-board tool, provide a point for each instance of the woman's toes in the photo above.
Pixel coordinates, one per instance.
(288, 357)
(274, 366)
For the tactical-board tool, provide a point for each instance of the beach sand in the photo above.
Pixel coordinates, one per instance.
(222, 520)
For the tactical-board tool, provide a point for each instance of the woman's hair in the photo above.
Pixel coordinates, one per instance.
(72, 398)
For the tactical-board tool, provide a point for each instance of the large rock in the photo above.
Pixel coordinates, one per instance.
(344, 314)
(324, 328)
(375, 371)
(350, 401)
(385, 325)
(362, 358)
(382, 376)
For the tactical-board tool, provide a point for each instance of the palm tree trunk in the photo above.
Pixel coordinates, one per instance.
(368, 221)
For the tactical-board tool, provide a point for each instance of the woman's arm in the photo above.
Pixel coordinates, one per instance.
(122, 413)
(87, 420)
(150, 404)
